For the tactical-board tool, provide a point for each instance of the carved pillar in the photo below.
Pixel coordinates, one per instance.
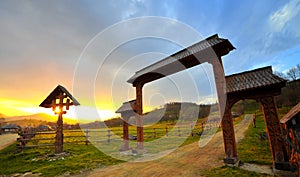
(274, 130)
(59, 139)
(225, 112)
(125, 146)
(139, 119)
(229, 137)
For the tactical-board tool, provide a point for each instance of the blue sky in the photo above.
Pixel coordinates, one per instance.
(42, 39)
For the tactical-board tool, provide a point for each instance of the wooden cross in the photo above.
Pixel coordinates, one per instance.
(59, 93)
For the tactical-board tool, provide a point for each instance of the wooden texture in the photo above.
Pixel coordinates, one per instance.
(225, 112)
(125, 146)
(139, 118)
(274, 129)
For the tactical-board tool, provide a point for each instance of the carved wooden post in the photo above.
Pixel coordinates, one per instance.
(225, 113)
(59, 93)
(139, 119)
(274, 130)
(126, 110)
(229, 137)
(125, 146)
(59, 139)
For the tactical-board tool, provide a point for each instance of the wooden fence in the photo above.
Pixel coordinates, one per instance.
(106, 135)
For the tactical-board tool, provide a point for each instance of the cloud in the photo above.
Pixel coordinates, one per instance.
(280, 18)
(41, 42)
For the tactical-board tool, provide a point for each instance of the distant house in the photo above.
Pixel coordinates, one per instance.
(10, 128)
(43, 128)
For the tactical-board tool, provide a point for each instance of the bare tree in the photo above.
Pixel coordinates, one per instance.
(292, 74)
(298, 70)
(281, 74)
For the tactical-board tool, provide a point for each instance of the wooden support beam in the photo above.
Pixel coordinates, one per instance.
(125, 146)
(277, 144)
(225, 113)
(139, 119)
(59, 139)
(229, 137)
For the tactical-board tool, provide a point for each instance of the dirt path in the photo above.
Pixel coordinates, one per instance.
(188, 160)
(7, 139)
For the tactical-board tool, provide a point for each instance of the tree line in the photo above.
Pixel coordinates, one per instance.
(291, 75)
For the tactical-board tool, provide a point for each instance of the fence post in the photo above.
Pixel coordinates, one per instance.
(86, 136)
(154, 132)
(179, 132)
(166, 131)
(108, 135)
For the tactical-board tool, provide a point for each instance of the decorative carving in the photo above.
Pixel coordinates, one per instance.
(59, 93)
(274, 129)
(228, 134)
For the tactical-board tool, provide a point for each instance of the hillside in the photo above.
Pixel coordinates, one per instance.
(34, 119)
(169, 113)
(2, 116)
(289, 94)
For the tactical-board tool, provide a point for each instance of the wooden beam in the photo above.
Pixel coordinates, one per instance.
(139, 118)
(225, 113)
(277, 144)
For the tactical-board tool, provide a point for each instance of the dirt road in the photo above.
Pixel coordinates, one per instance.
(188, 160)
(7, 139)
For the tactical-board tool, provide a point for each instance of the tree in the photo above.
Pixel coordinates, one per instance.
(280, 74)
(298, 70)
(292, 74)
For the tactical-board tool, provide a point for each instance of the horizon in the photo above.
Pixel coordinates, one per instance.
(70, 118)
(92, 48)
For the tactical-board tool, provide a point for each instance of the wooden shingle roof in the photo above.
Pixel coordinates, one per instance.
(258, 78)
(126, 106)
(185, 56)
(54, 94)
(293, 112)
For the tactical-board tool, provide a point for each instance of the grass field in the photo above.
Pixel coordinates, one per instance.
(80, 157)
(255, 148)
(41, 160)
(252, 149)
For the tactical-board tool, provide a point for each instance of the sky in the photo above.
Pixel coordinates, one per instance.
(93, 47)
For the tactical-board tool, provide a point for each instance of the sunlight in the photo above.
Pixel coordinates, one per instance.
(82, 113)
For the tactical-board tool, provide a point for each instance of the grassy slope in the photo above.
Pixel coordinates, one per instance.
(252, 149)
(35, 160)
(81, 156)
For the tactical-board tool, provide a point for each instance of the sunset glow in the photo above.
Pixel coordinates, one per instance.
(93, 54)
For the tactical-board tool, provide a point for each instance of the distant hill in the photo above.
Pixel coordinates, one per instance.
(35, 118)
(2, 116)
(170, 112)
(92, 125)
(289, 94)
(28, 122)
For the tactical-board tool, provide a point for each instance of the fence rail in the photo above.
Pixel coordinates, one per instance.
(107, 135)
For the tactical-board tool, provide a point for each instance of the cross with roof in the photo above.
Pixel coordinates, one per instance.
(59, 93)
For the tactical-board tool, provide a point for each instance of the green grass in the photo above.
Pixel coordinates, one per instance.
(38, 160)
(230, 171)
(85, 157)
(253, 149)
